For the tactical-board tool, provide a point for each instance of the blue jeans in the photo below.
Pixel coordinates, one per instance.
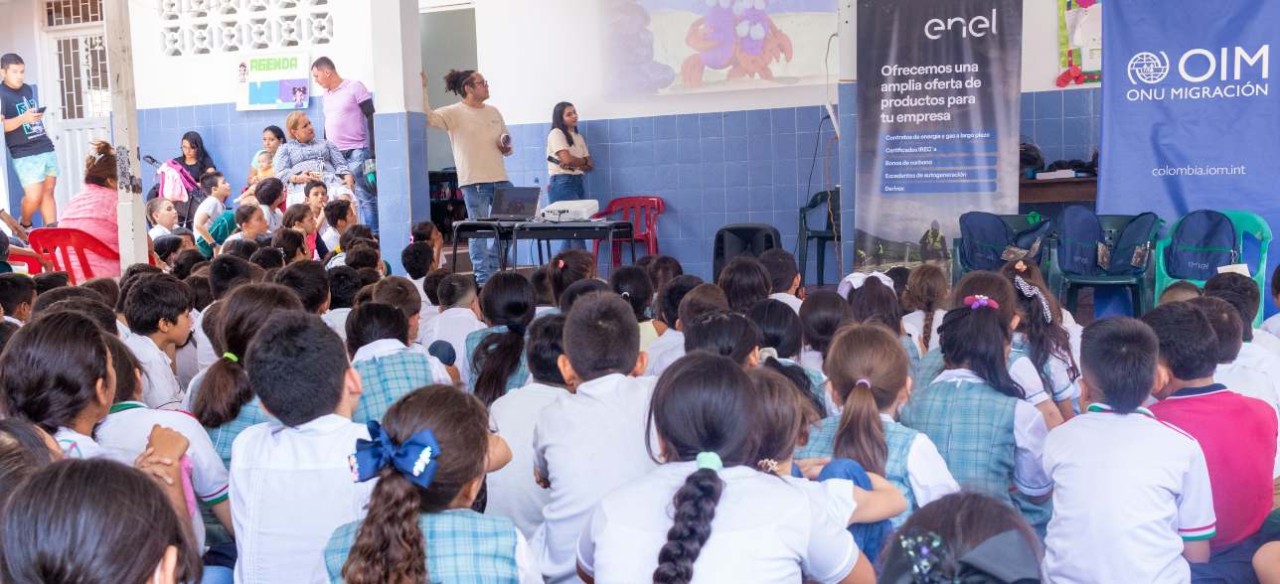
(870, 537)
(566, 187)
(479, 200)
(368, 202)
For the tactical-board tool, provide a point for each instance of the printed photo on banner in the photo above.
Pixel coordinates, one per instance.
(274, 81)
(938, 96)
(684, 46)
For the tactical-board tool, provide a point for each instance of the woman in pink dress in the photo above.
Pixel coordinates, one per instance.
(93, 209)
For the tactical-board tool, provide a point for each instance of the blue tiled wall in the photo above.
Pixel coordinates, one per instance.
(1066, 125)
(230, 136)
(712, 169)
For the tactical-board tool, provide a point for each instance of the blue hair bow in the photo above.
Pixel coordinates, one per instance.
(415, 458)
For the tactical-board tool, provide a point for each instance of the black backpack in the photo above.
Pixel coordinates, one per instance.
(1202, 241)
(985, 239)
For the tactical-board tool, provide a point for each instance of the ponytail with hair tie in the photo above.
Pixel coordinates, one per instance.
(415, 458)
(1034, 292)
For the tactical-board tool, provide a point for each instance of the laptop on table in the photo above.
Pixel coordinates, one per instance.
(514, 204)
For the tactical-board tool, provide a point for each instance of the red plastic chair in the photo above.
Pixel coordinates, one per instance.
(643, 214)
(32, 264)
(57, 244)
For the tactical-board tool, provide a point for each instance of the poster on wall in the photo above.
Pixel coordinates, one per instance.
(667, 47)
(1191, 122)
(273, 81)
(938, 105)
(1079, 42)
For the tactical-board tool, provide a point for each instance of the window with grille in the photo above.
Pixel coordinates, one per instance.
(70, 12)
(199, 27)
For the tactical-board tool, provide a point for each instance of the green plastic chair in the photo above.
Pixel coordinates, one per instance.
(1249, 226)
(805, 234)
(1069, 285)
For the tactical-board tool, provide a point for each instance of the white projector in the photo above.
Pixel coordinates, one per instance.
(580, 210)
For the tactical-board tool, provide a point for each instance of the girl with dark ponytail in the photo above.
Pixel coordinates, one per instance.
(567, 267)
(497, 353)
(429, 456)
(1041, 337)
(780, 336)
(869, 376)
(986, 429)
(224, 403)
(703, 411)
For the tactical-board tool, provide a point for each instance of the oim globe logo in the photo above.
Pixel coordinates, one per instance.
(1148, 68)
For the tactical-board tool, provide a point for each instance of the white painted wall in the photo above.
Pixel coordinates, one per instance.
(164, 81)
(448, 42)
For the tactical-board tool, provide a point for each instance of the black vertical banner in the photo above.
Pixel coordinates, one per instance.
(939, 89)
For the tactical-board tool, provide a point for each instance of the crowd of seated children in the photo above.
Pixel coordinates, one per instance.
(761, 437)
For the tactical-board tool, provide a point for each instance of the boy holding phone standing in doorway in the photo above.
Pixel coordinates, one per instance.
(29, 145)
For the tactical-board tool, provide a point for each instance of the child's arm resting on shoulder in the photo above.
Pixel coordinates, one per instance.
(882, 502)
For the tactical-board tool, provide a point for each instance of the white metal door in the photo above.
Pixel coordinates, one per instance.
(75, 87)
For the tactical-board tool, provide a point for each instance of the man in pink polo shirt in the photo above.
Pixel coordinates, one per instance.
(348, 125)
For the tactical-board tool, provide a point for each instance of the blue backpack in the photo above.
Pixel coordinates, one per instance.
(1202, 241)
(1132, 246)
(985, 239)
(1078, 235)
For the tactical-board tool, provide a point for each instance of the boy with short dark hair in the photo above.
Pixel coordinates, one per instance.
(311, 283)
(668, 304)
(459, 306)
(17, 297)
(1243, 293)
(784, 276)
(1179, 291)
(344, 283)
(1132, 500)
(418, 258)
(158, 312)
(1240, 470)
(702, 300)
(511, 493)
(593, 441)
(339, 214)
(291, 481)
(47, 281)
(218, 189)
(226, 272)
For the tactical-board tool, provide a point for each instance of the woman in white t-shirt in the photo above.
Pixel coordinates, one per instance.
(568, 160)
(732, 522)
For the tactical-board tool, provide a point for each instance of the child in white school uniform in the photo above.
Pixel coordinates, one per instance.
(344, 284)
(459, 316)
(127, 429)
(667, 305)
(926, 298)
(226, 272)
(976, 414)
(821, 315)
(56, 374)
(852, 496)
(17, 297)
(1132, 498)
(869, 373)
(511, 493)
(593, 441)
(1041, 337)
(158, 311)
(388, 368)
(784, 277)
(711, 484)
(291, 481)
(429, 458)
(701, 300)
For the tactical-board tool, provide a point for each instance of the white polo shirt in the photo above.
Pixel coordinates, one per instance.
(587, 444)
(290, 488)
(336, 318)
(204, 347)
(127, 429)
(160, 388)
(512, 491)
(1267, 341)
(1130, 490)
(764, 530)
(453, 326)
(789, 299)
(664, 351)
